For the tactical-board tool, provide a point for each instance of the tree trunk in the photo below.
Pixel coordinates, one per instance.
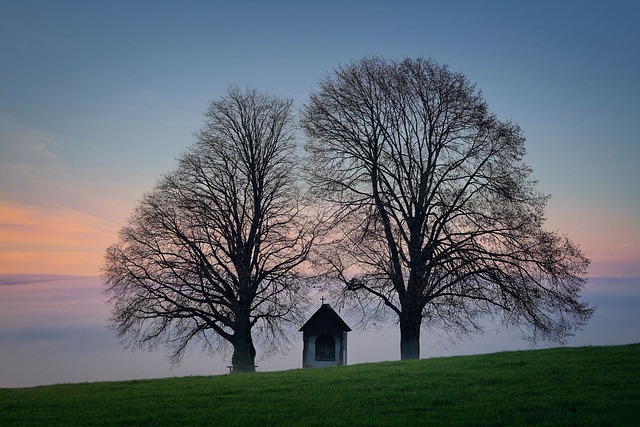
(409, 336)
(244, 353)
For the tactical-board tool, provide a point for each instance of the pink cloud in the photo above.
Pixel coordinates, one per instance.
(55, 240)
(611, 239)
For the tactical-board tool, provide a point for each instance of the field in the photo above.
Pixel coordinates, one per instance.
(565, 386)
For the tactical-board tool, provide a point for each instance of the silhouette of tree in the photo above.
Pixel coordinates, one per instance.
(436, 217)
(210, 254)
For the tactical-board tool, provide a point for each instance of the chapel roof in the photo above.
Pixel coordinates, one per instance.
(323, 315)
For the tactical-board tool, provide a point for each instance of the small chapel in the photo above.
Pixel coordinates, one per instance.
(325, 339)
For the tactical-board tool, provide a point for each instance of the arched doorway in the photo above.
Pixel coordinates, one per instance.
(325, 348)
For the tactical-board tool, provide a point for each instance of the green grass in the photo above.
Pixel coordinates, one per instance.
(568, 386)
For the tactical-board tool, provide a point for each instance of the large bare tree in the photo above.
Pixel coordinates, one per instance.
(436, 217)
(210, 254)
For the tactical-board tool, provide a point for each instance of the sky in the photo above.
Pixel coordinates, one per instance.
(97, 99)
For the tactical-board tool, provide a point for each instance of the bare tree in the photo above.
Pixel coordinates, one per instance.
(436, 217)
(211, 253)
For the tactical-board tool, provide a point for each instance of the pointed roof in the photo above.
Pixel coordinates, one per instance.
(325, 314)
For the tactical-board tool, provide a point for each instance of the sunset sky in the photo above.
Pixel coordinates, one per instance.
(98, 98)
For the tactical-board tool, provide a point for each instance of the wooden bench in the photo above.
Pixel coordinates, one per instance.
(242, 368)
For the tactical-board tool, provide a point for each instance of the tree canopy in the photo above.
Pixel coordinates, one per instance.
(211, 253)
(435, 215)
(434, 218)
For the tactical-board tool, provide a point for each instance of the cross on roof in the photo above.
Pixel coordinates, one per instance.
(322, 299)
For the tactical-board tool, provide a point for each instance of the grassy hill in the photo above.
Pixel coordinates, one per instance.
(566, 386)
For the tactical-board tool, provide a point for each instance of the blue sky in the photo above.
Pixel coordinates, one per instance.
(97, 99)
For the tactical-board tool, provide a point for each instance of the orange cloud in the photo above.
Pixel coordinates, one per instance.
(56, 240)
(62, 240)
